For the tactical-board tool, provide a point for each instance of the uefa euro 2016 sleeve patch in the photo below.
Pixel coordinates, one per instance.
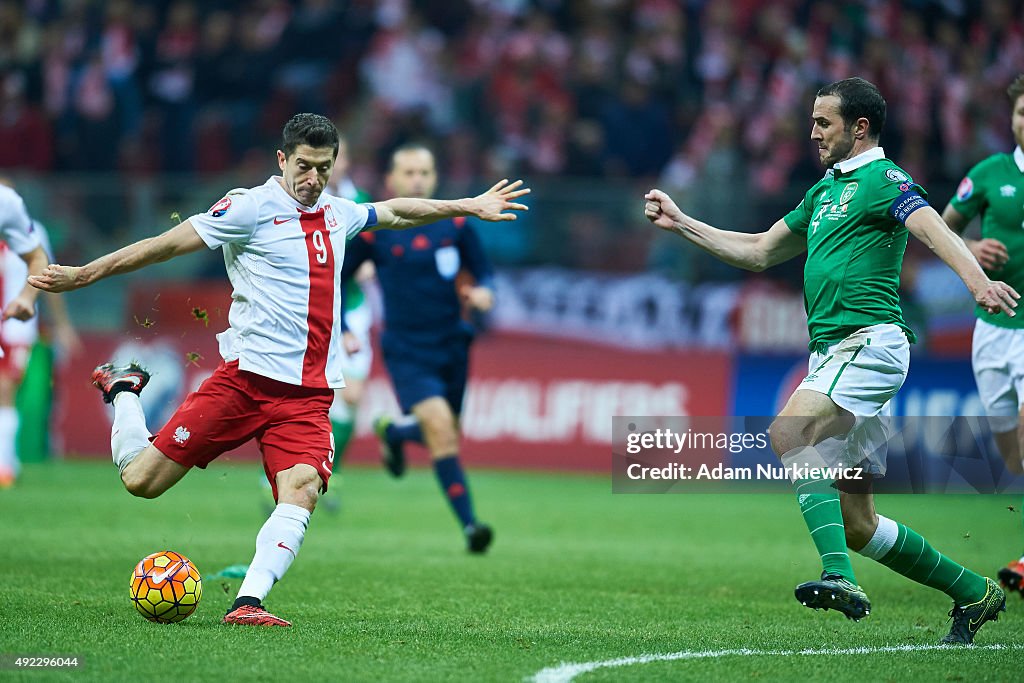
(220, 208)
(965, 189)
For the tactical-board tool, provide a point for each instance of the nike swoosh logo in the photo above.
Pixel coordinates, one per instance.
(282, 545)
(134, 380)
(279, 221)
(160, 578)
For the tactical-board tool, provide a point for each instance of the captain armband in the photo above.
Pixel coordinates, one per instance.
(906, 204)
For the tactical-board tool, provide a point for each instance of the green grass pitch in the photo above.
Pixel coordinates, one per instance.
(383, 590)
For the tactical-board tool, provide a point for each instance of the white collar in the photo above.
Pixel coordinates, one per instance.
(853, 163)
(1018, 156)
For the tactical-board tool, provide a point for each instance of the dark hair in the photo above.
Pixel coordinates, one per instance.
(309, 129)
(1016, 89)
(408, 147)
(858, 99)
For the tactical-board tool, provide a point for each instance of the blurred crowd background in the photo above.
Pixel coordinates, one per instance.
(116, 114)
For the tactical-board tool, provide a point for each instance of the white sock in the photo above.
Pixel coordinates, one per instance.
(128, 436)
(883, 539)
(277, 544)
(8, 433)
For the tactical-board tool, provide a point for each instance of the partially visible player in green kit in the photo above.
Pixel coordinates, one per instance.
(358, 317)
(995, 189)
(854, 224)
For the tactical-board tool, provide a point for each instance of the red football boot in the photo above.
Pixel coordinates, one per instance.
(253, 615)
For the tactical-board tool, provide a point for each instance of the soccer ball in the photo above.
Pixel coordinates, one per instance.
(166, 587)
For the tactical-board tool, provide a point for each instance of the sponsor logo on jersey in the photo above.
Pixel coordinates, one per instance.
(848, 193)
(965, 189)
(896, 175)
(221, 207)
(279, 221)
(1008, 191)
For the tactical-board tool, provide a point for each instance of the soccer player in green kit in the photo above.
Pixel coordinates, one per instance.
(995, 189)
(854, 225)
(358, 317)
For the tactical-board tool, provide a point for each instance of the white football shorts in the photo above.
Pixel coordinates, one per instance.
(359, 321)
(997, 356)
(862, 373)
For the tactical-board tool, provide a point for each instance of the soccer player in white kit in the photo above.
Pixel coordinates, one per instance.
(284, 244)
(17, 337)
(21, 237)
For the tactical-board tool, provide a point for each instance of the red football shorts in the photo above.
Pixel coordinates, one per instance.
(289, 423)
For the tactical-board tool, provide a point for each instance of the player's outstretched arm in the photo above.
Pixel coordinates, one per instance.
(991, 253)
(181, 239)
(926, 224)
(23, 306)
(494, 205)
(754, 252)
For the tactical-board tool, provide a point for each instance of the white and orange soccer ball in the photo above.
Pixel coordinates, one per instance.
(166, 587)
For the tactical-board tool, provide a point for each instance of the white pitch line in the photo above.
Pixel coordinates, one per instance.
(564, 673)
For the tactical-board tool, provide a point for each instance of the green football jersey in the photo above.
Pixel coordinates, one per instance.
(995, 189)
(855, 247)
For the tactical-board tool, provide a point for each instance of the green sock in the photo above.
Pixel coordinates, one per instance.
(819, 504)
(917, 560)
(343, 431)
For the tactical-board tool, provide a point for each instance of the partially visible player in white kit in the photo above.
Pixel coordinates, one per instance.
(21, 237)
(17, 337)
(284, 244)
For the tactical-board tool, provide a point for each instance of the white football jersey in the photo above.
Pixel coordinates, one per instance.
(15, 274)
(16, 227)
(284, 260)
(17, 231)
